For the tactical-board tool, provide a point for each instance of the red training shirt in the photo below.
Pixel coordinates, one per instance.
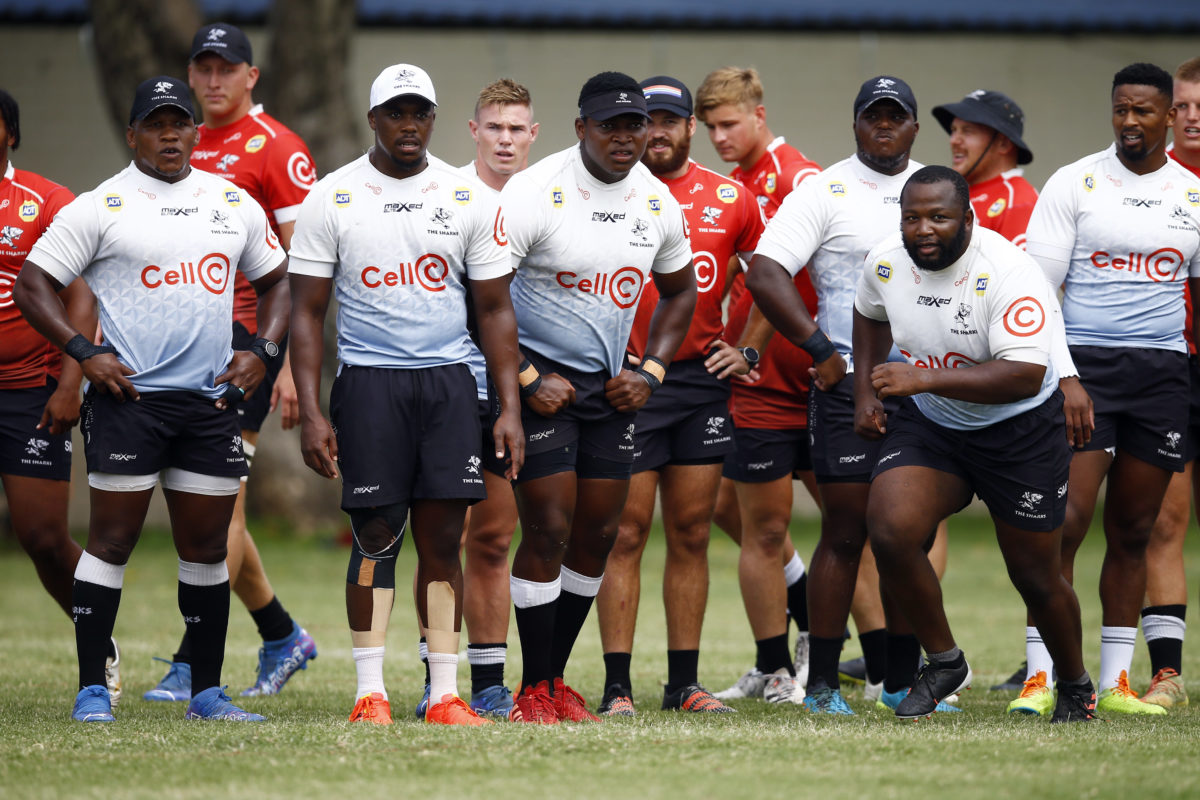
(1004, 204)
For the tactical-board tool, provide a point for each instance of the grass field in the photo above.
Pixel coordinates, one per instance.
(307, 748)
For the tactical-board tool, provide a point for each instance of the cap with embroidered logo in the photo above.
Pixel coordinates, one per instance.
(154, 93)
(225, 40)
(402, 79)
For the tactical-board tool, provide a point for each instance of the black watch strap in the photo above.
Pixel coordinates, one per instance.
(265, 349)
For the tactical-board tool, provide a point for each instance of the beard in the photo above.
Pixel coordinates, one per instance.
(666, 163)
(949, 253)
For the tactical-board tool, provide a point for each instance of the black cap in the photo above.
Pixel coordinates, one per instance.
(993, 109)
(154, 93)
(664, 93)
(885, 87)
(225, 40)
(613, 103)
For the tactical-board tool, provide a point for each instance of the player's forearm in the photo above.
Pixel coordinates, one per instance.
(872, 341)
(990, 383)
(498, 341)
(758, 330)
(273, 312)
(36, 296)
(80, 304)
(776, 296)
(310, 300)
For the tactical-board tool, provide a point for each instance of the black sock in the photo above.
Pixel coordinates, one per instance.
(823, 654)
(797, 600)
(274, 623)
(485, 675)
(1165, 652)
(95, 613)
(572, 613)
(535, 627)
(773, 655)
(425, 661)
(184, 654)
(205, 611)
(875, 653)
(682, 666)
(903, 657)
(616, 670)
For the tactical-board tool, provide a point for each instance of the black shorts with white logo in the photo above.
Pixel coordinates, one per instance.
(1018, 466)
(588, 437)
(406, 434)
(686, 421)
(839, 455)
(762, 455)
(1141, 398)
(253, 412)
(1192, 451)
(184, 430)
(24, 450)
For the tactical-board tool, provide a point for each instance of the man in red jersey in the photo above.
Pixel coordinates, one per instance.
(244, 145)
(773, 410)
(1163, 623)
(683, 432)
(39, 387)
(986, 148)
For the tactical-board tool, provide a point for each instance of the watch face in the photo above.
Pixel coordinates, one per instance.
(750, 354)
(271, 349)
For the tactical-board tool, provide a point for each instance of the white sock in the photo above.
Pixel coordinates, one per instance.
(526, 594)
(487, 655)
(1162, 626)
(1116, 654)
(793, 570)
(582, 585)
(368, 663)
(92, 570)
(1036, 655)
(443, 676)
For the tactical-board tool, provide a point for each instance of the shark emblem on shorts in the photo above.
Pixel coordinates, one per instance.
(1030, 500)
(628, 435)
(473, 465)
(1173, 438)
(36, 447)
(714, 425)
(236, 446)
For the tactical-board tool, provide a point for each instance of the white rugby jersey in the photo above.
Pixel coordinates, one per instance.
(583, 250)
(160, 258)
(829, 224)
(399, 253)
(993, 303)
(1126, 244)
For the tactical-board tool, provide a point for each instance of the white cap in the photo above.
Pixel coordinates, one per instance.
(401, 79)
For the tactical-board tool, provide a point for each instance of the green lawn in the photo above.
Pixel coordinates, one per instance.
(308, 749)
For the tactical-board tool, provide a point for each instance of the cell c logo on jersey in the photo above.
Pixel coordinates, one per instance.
(1161, 266)
(706, 270)
(300, 170)
(498, 233)
(727, 193)
(948, 361)
(6, 285)
(624, 286)
(429, 271)
(256, 143)
(211, 271)
(1024, 317)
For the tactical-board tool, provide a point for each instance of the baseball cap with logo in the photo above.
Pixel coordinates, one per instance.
(885, 87)
(225, 40)
(608, 103)
(154, 93)
(401, 79)
(993, 109)
(664, 93)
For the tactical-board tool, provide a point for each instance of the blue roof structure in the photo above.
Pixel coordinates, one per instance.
(1060, 16)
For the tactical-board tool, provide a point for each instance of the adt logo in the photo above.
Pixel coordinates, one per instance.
(341, 198)
(884, 271)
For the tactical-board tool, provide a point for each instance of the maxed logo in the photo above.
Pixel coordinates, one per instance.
(607, 216)
(947, 361)
(428, 271)
(1160, 266)
(212, 272)
(624, 286)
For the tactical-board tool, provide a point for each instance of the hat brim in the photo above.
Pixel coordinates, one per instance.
(880, 99)
(609, 113)
(675, 108)
(225, 54)
(171, 103)
(417, 95)
(980, 114)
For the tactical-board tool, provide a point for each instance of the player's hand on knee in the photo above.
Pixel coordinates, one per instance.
(553, 395)
(108, 374)
(61, 412)
(318, 444)
(1077, 408)
(627, 392)
(829, 372)
(245, 372)
(509, 436)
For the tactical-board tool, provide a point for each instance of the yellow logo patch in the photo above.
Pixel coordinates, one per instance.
(256, 143)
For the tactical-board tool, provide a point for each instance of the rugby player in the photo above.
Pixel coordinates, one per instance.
(39, 389)
(503, 130)
(987, 149)
(1120, 226)
(827, 226)
(683, 431)
(158, 244)
(983, 419)
(1163, 617)
(242, 144)
(588, 227)
(398, 233)
(769, 407)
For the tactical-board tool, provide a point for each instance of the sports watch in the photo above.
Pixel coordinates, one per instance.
(265, 349)
(751, 356)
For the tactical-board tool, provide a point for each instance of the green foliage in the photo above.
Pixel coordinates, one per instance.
(308, 749)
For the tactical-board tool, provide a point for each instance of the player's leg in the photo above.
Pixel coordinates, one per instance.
(688, 492)
(486, 600)
(726, 514)
(370, 593)
(617, 602)
(866, 608)
(38, 512)
(1164, 613)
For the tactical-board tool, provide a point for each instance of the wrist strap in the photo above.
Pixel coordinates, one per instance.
(260, 349)
(818, 346)
(527, 374)
(653, 371)
(80, 349)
